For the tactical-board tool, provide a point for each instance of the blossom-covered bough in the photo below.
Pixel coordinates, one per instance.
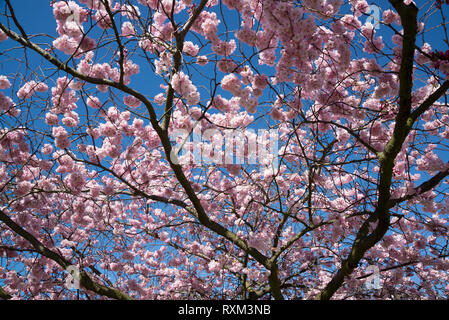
(91, 176)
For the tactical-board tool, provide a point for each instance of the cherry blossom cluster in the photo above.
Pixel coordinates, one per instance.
(440, 60)
(184, 87)
(6, 103)
(69, 18)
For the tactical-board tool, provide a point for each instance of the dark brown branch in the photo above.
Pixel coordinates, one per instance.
(422, 188)
(14, 18)
(117, 38)
(4, 295)
(430, 101)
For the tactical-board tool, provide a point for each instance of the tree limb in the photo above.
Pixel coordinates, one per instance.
(85, 280)
(4, 295)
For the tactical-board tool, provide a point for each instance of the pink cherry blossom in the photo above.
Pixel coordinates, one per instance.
(4, 82)
(131, 101)
(128, 29)
(94, 102)
(3, 36)
(190, 48)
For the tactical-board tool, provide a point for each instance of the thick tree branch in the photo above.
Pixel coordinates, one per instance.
(4, 295)
(275, 283)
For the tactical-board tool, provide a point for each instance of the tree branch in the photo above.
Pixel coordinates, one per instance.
(422, 188)
(430, 101)
(85, 280)
(4, 295)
